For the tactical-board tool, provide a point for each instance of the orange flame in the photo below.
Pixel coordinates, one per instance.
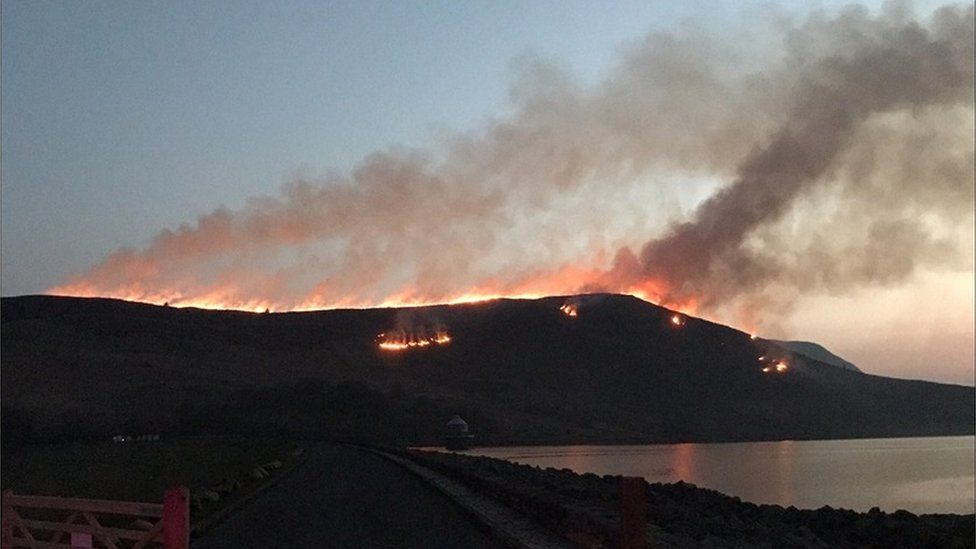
(400, 340)
(570, 310)
(258, 295)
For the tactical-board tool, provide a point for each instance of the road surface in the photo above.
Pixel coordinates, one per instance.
(346, 497)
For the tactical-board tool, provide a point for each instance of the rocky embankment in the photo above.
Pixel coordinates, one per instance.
(584, 508)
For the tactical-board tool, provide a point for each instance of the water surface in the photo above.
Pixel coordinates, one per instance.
(922, 475)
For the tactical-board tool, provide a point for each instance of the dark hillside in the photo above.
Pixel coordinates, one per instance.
(817, 352)
(521, 371)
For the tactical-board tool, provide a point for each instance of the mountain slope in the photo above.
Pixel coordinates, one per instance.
(520, 371)
(818, 352)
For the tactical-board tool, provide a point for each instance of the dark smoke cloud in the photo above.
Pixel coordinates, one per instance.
(846, 141)
(879, 69)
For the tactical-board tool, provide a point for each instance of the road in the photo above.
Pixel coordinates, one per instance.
(346, 497)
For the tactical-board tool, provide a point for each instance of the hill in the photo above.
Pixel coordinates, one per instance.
(520, 371)
(816, 352)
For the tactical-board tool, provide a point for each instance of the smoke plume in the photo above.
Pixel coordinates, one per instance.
(903, 67)
(845, 141)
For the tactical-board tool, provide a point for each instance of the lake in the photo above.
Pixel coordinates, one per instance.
(922, 475)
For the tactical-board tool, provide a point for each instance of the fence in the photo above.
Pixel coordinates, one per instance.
(32, 521)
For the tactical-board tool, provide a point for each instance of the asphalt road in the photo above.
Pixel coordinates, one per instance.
(345, 497)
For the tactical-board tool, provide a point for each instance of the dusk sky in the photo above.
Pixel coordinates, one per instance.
(254, 155)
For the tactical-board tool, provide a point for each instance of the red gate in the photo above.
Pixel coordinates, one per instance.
(33, 521)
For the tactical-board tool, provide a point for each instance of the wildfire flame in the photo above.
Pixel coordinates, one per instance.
(226, 295)
(401, 340)
(780, 367)
(570, 309)
(677, 320)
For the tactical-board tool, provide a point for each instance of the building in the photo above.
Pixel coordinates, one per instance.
(457, 436)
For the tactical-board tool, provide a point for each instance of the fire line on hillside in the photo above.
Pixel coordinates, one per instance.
(402, 340)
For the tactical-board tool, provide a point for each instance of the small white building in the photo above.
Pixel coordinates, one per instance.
(457, 435)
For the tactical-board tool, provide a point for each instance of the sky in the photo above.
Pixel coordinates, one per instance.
(121, 121)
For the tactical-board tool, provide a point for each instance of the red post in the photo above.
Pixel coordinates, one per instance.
(176, 518)
(7, 523)
(633, 513)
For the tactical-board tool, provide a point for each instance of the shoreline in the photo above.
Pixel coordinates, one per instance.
(806, 474)
(619, 444)
(684, 515)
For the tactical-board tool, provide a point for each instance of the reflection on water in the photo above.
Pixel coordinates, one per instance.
(922, 475)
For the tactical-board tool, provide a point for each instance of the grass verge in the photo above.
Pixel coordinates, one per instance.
(219, 471)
